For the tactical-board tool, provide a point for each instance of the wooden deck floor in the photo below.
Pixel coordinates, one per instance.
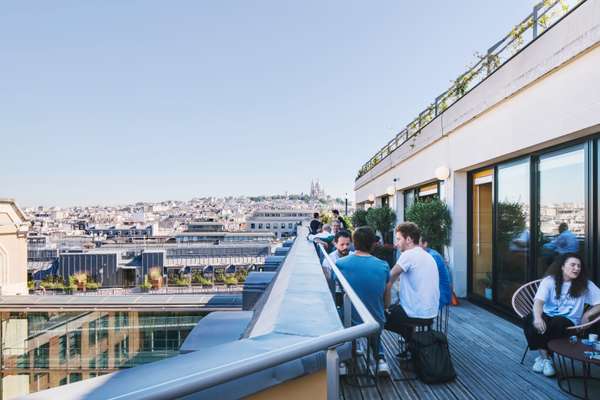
(486, 351)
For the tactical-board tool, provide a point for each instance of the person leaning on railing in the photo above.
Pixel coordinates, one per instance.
(558, 304)
(368, 276)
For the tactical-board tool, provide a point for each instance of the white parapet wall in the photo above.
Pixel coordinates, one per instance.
(13, 249)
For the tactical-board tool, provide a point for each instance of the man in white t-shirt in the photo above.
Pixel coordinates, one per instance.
(414, 299)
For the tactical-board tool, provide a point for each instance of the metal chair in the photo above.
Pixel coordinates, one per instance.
(522, 303)
(578, 329)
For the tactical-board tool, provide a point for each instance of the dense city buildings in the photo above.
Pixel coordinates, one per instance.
(117, 246)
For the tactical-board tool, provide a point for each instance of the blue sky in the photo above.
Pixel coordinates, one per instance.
(108, 102)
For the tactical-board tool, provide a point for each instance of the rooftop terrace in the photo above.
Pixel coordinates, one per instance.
(486, 351)
(289, 345)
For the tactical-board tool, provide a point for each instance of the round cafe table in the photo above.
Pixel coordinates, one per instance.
(576, 375)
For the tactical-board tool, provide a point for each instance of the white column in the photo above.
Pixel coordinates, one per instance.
(456, 198)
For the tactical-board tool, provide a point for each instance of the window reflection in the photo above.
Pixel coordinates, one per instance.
(512, 228)
(561, 206)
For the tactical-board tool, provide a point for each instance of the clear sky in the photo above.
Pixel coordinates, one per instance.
(107, 102)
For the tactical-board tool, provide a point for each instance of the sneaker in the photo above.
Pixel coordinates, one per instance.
(548, 368)
(538, 366)
(382, 368)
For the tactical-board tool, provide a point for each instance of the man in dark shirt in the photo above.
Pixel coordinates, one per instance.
(336, 215)
(315, 224)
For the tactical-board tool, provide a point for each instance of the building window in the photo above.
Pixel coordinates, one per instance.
(524, 214)
(561, 208)
(268, 226)
(283, 225)
(290, 226)
(512, 228)
(260, 226)
(252, 226)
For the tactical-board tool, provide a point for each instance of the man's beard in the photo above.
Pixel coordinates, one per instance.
(344, 252)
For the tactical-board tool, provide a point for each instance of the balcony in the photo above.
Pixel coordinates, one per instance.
(429, 125)
(290, 343)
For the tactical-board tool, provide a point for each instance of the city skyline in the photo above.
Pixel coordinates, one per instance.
(114, 102)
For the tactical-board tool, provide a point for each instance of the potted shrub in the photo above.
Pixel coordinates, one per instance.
(486, 283)
(219, 277)
(155, 275)
(231, 280)
(30, 285)
(145, 286)
(433, 218)
(359, 218)
(71, 286)
(80, 280)
(92, 286)
(382, 220)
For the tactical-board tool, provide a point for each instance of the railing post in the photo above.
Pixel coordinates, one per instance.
(333, 374)
(534, 16)
(347, 311)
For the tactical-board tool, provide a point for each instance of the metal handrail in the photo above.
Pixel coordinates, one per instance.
(194, 382)
(488, 63)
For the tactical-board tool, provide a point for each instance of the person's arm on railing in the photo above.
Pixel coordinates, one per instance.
(538, 321)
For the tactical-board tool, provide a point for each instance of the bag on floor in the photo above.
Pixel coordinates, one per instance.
(431, 357)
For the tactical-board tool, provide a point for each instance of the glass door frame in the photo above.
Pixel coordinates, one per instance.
(591, 147)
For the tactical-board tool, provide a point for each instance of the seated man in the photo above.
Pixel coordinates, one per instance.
(368, 276)
(417, 295)
(444, 275)
(325, 237)
(342, 242)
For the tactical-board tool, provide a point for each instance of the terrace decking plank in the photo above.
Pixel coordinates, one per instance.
(486, 351)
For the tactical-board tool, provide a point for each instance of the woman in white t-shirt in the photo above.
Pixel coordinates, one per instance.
(558, 304)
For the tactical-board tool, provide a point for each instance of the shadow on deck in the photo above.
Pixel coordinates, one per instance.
(486, 351)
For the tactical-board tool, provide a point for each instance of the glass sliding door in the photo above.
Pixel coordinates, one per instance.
(481, 246)
(512, 240)
(561, 205)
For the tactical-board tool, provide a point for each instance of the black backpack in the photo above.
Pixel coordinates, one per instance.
(431, 357)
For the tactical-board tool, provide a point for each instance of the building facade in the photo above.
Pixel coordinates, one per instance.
(281, 222)
(517, 161)
(13, 249)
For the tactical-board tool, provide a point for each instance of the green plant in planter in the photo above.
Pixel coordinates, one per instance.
(231, 280)
(145, 286)
(359, 218)
(434, 220)
(382, 219)
(92, 285)
(30, 285)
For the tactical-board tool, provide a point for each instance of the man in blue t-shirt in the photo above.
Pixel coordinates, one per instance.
(368, 276)
(445, 288)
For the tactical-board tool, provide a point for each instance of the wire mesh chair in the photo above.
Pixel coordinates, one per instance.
(522, 303)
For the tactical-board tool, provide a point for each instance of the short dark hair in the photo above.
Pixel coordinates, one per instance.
(409, 230)
(342, 233)
(563, 227)
(364, 238)
(316, 215)
(424, 237)
(336, 212)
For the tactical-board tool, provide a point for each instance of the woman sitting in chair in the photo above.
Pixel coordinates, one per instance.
(558, 305)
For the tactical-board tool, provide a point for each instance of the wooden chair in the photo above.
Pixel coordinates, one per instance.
(522, 303)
